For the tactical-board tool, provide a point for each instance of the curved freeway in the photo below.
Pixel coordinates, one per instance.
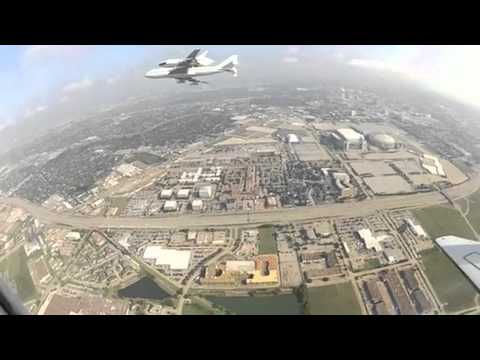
(252, 218)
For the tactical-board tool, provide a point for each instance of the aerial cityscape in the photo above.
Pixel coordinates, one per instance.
(320, 198)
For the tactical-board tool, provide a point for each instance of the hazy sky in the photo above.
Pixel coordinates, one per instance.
(36, 78)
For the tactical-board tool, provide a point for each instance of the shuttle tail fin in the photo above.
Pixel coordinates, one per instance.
(229, 65)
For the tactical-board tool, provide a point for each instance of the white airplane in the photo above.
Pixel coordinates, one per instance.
(189, 68)
(193, 59)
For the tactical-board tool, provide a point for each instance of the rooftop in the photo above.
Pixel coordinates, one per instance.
(175, 259)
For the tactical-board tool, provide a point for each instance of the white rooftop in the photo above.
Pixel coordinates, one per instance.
(175, 259)
(371, 242)
(292, 138)
(350, 134)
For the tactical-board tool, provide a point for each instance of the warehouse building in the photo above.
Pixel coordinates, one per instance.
(416, 229)
(176, 260)
(197, 205)
(205, 192)
(166, 194)
(170, 205)
(183, 194)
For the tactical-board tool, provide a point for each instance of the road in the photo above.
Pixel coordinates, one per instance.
(252, 218)
(188, 285)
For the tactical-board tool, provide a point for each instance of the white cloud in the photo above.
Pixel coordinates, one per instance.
(290, 59)
(370, 63)
(31, 112)
(452, 70)
(64, 99)
(42, 52)
(111, 81)
(293, 50)
(77, 85)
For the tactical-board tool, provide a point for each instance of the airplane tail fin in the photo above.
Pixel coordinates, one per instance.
(204, 60)
(229, 64)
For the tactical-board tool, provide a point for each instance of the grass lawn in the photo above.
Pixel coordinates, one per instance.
(474, 214)
(259, 305)
(266, 243)
(338, 299)
(15, 265)
(119, 202)
(440, 221)
(371, 264)
(450, 284)
(196, 309)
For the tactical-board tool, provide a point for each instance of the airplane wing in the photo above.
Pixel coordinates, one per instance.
(10, 303)
(465, 254)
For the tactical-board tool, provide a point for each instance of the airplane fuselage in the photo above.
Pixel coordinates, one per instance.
(191, 72)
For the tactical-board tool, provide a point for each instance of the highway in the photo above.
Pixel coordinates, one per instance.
(362, 208)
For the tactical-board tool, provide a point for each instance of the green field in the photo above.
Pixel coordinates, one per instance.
(15, 265)
(451, 286)
(440, 221)
(371, 264)
(474, 214)
(338, 299)
(118, 202)
(259, 305)
(196, 309)
(266, 242)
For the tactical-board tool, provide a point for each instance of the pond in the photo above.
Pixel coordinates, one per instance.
(145, 288)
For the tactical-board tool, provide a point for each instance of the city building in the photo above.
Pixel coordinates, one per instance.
(166, 194)
(205, 192)
(266, 270)
(370, 241)
(292, 139)
(183, 193)
(416, 229)
(219, 238)
(192, 236)
(73, 235)
(170, 205)
(197, 205)
(323, 229)
(382, 141)
(350, 139)
(342, 182)
(171, 258)
(241, 266)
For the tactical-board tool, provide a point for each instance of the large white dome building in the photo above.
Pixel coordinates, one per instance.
(382, 141)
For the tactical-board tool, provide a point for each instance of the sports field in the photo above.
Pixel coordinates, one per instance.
(338, 299)
(266, 242)
(451, 286)
(440, 221)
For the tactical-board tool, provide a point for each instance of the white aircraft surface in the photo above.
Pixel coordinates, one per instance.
(465, 254)
(192, 66)
(192, 59)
